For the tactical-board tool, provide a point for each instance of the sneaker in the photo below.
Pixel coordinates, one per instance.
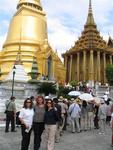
(57, 141)
(96, 128)
(103, 133)
(100, 133)
(14, 131)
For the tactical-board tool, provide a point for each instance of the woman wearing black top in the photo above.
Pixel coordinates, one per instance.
(84, 115)
(96, 119)
(51, 119)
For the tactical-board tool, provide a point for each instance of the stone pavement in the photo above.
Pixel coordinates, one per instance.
(89, 140)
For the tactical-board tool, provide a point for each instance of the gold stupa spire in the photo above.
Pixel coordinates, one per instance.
(90, 19)
(30, 21)
(33, 3)
(18, 57)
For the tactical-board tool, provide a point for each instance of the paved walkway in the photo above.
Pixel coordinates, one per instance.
(89, 140)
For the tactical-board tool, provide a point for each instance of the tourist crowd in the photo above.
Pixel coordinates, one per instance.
(49, 117)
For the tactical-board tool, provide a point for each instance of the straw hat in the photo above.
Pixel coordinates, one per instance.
(78, 101)
(61, 99)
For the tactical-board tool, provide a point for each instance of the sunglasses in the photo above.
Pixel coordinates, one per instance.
(28, 102)
(49, 102)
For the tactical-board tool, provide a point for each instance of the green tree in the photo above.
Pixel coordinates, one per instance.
(63, 91)
(47, 88)
(109, 74)
(73, 83)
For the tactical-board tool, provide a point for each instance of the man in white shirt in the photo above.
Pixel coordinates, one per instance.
(74, 111)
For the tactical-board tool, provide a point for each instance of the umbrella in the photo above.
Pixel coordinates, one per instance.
(105, 97)
(74, 93)
(86, 97)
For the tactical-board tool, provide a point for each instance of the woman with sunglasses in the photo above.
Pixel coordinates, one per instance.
(38, 121)
(51, 119)
(26, 119)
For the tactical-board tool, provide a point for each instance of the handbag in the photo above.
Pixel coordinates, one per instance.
(72, 110)
(7, 108)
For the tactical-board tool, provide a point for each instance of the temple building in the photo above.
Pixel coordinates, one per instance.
(87, 59)
(28, 34)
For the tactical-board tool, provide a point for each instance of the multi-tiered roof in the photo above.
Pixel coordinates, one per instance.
(90, 37)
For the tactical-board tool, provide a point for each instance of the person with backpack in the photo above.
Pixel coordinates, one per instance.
(10, 114)
(74, 111)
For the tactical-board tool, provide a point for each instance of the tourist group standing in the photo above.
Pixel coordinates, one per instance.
(42, 117)
(48, 118)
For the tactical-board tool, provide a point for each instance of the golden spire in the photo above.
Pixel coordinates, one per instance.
(33, 3)
(90, 38)
(90, 19)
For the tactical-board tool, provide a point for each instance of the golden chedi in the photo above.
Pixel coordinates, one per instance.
(28, 34)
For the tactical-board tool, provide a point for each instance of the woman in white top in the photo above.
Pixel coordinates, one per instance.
(26, 118)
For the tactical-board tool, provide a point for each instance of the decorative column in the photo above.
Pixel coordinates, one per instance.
(98, 66)
(70, 70)
(66, 68)
(44, 68)
(84, 65)
(91, 66)
(110, 57)
(78, 66)
(104, 63)
(53, 69)
(65, 62)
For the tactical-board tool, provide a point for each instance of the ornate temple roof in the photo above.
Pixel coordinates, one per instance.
(34, 71)
(110, 42)
(90, 37)
(35, 3)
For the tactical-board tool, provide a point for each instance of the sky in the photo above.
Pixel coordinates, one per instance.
(65, 20)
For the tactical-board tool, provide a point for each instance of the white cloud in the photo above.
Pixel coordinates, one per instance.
(60, 36)
(2, 39)
(66, 19)
(3, 27)
(8, 6)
